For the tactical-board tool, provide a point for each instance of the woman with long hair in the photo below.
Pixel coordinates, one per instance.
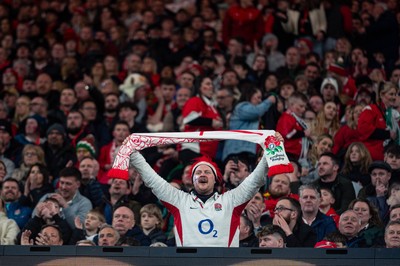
(372, 230)
(327, 121)
(355, 165)
(200, 114)
(31, 154)
(37, 185)
(375, 119)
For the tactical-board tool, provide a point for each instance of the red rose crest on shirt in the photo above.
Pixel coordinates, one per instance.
(218, 207)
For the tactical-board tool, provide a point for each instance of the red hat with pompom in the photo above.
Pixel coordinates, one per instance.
(207, 161)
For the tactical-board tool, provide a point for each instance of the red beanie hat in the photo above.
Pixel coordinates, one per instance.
(207, 161)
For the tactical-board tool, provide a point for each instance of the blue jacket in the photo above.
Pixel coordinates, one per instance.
(244, 116)
(19, 213)
(323, 225)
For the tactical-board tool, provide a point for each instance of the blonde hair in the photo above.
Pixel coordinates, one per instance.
(99, 215)
(38, 150)
(319, 124)
(153, 209)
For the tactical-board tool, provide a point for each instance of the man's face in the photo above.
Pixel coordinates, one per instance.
(87, 168)
(121, 132)
(292, 57)
(328, 92)
(224, 99)
(311, 72)
(326, 167)
(168, 92)
(74, 121)
(393, 161)
(111, 103)
(134, 63)
(230, 79)
(349, 224)
(127, 114)
(55, 138)
(31, 126)
(280, 186)
(43, 84)
(5, 137)
(392, 236)
(107, 237)
(298, 107)
(258, 200)
(271, 241)
(119, 188)
(204, 179)
(68, 97)
(89, 111)
(53, 235)
(38, 105)
(395, 215)
(395, 77)
(68, 187)
(316, 103)
(10, 191)
(285, 210)
(182, 95)
(309, 201)
(186, 80)
(380, 176)
(123, 220)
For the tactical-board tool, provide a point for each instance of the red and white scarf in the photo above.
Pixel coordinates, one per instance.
(277, 160)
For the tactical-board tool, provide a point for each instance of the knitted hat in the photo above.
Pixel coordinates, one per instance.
(207, 161)
(88, 143)
(325, 244)
(57, 127)
(338, 68)
(132, 83)
(332, 82)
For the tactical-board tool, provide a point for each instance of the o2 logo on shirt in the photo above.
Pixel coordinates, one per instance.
(206, 227)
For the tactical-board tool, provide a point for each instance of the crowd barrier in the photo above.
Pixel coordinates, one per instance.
(107, 256)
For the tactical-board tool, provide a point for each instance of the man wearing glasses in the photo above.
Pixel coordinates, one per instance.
(288, 217)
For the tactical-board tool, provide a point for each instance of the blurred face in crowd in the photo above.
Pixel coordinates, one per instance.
(204, 179)
(271, 241)
(349, 224)
(35, 176)
(186, 80)
(89, 111)
(43, 84)
(31, 126)
(325, 145)
(108, 237)
(380, 176)
(10, 191)
(393, 160)
(316, 103)
(309, 201)
(363, 212)
(74, 122)
(92, 221)
(168, 92)
(111, 102)
(182, 95)
(123, 220)
(327, 198)
(395, 214)
(68, 187)
(326, 167)
(207, 88)
(53, 236)
(88, 168)
(120, 132)
(68, 97)
(119, 188)
(392, 236)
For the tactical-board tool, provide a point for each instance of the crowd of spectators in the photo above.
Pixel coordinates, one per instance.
(77, 77)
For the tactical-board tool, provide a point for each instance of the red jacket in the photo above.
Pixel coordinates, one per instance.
(247, 23)
(372, 131)
(343, 138)
(194, 108)
(334, 215)
(290, 130)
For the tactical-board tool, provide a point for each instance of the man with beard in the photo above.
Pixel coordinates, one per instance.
(349, 226)
(10, 194)
(57, 151)
(90, 187)
(107, 153)
(75, 127)
(278, 188)
(44, 85)
(111, 102)
(71, 201)
(288, 217)
(342, 189)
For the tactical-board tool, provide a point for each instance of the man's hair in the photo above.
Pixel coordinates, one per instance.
(120, 122)
(336, 237)
(297, 96)
(333, 157)
(393, 149)
(313, 64)
(104, 226)
(271, 229)
(168, 81)
(396, 206)
(295, 205)
(55, 227)
(71, 172)
(11, 180)
(391, 223)
(129, 105)
(127, 241)
(309, 186)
